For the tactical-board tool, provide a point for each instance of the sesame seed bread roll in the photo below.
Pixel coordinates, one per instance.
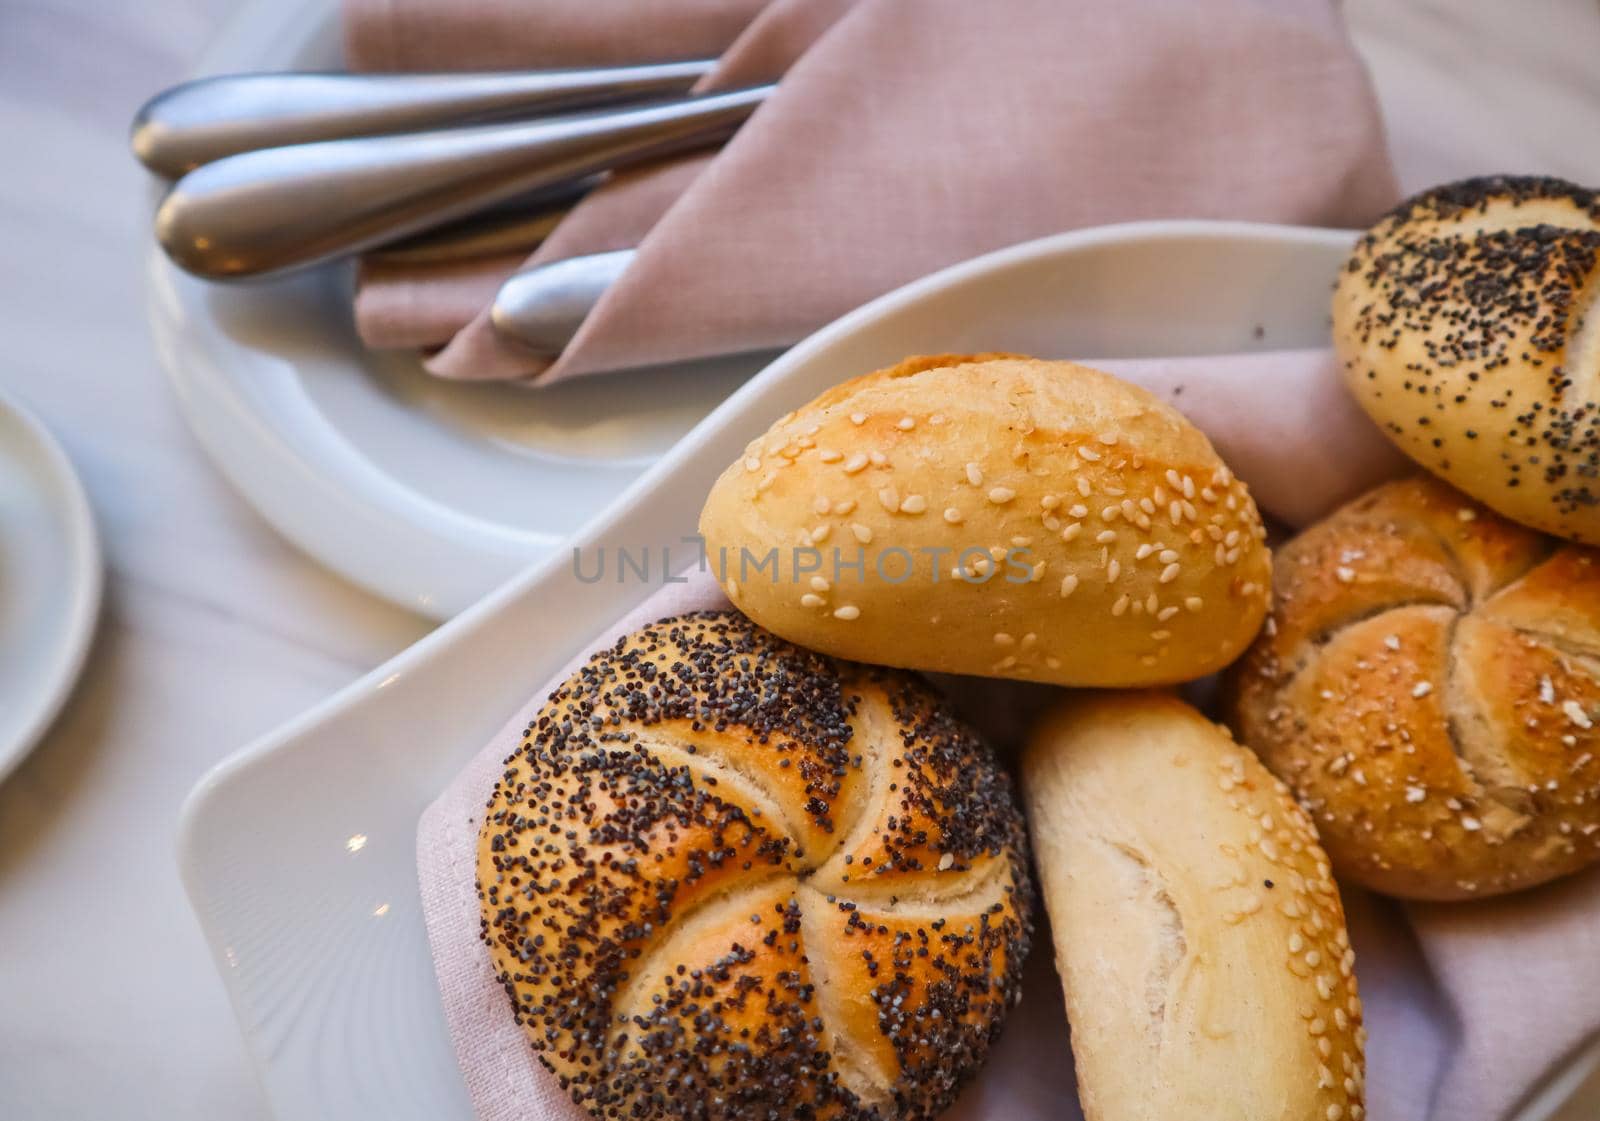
(724, 878)
(1428, 684)
(1465, 322)
(995, 516)
(1199, 937)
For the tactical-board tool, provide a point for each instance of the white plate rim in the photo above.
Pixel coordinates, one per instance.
(86, 577)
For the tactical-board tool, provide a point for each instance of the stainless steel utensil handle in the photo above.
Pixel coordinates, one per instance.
(206, 119)
(543, 307)
(282, 208)
(515, 226)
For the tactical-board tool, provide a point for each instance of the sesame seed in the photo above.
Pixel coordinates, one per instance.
(947, 862)
(855, 463)
(1001, 638)
(1050, 501)
(811, 599)
(858, 418)
(861, 533)
(1069, 584)
(906, 424)
(1422, 689)
(820, 534)
(1345, 573)
(877, 458)
(914, 504)
(889, 499)
(1072, 531)
(1001, 495)
(848, 612)
(1089, 453)
(1078, 510)
(1174, 478)
(829, 455)
(733, 590)
(819, 584)
(752, 464)
(1575, 713)
(952, 516)
(1392, 641)
(1471, 824)
(974, 474)
(1113, 570)
(1166, 613)
(1168, 556)
(1143, 551)
(1120, 606)
(1105, 537)
(821, 505)
(1084, 488)
(844, 507)
(1194, 603)
(1109, 514)
(1466, 514)
(1415, 794)
(1109, 439)
(1169, 573)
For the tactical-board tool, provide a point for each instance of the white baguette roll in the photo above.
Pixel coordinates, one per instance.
(994, 516)
(1199, 937)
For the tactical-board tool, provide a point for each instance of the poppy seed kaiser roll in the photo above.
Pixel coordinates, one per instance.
(1429, 685)
(727, 878)
(1466, 324)
(995, 516)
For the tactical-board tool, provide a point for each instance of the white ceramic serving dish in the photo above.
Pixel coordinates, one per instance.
(50, 580)
(425, 492)
(298, 851)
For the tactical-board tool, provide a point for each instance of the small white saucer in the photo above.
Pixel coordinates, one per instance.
(50, 580)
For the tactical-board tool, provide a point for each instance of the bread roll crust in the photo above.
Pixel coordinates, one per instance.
(1199, 937)
(1018, 518)
(1465, 321)
(1428, 684)
(723, 877)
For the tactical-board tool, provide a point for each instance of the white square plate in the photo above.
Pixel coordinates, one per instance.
(298, 852)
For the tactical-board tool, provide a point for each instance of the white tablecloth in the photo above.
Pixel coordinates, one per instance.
(215, 630)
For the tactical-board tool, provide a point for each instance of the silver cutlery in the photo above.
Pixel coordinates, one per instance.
(277, 209)
(542, 308)
(517, 225)
(209, 118)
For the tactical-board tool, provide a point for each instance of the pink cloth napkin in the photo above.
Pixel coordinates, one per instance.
(1469, 1006)
(907, 135)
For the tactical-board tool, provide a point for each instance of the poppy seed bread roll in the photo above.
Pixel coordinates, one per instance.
(1429, 685)
(994, 516)
(725, 878)
(1465, 322)
(1199, 937)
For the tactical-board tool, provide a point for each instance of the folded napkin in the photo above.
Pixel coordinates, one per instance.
(907, 135)
(1468, 1006)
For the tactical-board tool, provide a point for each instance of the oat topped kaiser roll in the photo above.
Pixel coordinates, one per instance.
(1429, 686)
(727, 878)
(1465, 322)
(996, 516)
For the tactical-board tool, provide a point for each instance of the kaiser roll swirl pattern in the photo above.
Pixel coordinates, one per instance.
(1429, 685)
(724, 877)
